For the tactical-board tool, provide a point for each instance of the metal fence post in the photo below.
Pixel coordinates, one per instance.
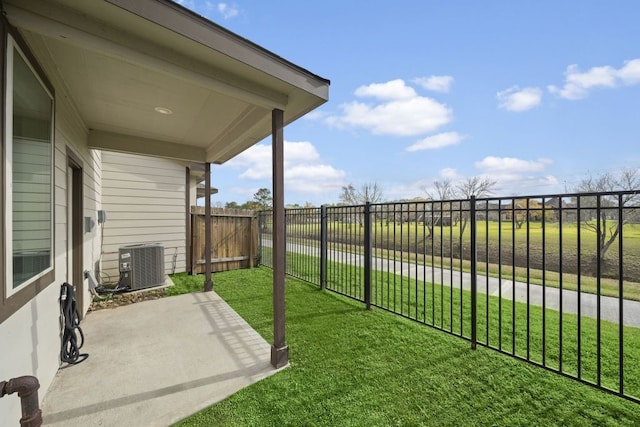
(474, 270)
(286, 238)
(367, 255)
(323, 247)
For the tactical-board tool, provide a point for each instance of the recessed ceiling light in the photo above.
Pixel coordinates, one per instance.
(163, 110)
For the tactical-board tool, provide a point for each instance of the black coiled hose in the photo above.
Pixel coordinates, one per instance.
(70, 351)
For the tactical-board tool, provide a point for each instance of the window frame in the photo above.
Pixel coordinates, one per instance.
(12, 299)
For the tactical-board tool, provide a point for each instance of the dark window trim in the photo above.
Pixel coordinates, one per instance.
(187, 209)
(10, 305)
(77, 214)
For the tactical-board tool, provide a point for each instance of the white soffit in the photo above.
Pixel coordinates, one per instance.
(118, 66)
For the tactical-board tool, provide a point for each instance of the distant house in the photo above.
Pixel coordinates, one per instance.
(84, 82)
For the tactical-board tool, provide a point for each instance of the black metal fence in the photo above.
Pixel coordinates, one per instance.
(553, 279)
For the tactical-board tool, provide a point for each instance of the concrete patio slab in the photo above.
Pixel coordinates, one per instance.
(156, 362)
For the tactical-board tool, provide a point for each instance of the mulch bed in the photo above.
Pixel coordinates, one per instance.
(126, 298)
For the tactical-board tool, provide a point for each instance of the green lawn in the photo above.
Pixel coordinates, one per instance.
(500, 323)
(350, 366)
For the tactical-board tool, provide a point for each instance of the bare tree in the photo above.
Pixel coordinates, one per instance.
(442, 190)
(605, 222)
(368, 192)
(474, 186)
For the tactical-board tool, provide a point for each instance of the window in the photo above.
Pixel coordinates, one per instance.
(28, 172)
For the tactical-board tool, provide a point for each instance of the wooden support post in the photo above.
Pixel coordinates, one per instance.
(208, 284)
(187, 208)
(279, 350)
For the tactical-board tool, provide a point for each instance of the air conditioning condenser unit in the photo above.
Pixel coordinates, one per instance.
(141, 266)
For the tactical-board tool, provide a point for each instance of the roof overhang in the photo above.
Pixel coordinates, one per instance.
(118, 65)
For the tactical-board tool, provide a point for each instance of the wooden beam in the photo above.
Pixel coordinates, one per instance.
(279, 350)
(226, 259)
(109, 141)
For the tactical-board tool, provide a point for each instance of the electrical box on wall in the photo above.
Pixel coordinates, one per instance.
(89, 223)
(102, 216)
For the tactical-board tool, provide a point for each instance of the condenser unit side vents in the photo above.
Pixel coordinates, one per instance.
(141, 266)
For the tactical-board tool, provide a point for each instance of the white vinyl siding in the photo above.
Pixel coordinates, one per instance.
(33, 331)
(145, 202)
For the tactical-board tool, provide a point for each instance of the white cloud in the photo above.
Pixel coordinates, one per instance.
(630, 73)
(512, 176)
(578, 83)
(315, 115)
(314, 178)
(303, 170)
(508, 184)
(400, 112)
(517, 176)
(391, 90)
(511, 164)
(450, 174)
(227, 11)
(517, 100)
(435, 83)
(436, 141)
(404, 190)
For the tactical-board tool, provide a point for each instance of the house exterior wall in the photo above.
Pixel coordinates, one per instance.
(145, 202)
(33, 331)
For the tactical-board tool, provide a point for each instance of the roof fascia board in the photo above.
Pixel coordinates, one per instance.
(183, 21)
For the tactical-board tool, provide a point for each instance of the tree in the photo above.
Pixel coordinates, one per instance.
(350, 195)
(605, 222)
(232, 205)
(523, 210)
(368, 192)
(465, 189)
(446, 191)
(263, 199)
(442, 190)
(475, 186)
(252, 205)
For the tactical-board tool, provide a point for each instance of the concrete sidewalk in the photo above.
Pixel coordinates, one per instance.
(567, 301)
(156, 362)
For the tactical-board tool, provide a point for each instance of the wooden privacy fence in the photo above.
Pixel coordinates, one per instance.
(234, 239)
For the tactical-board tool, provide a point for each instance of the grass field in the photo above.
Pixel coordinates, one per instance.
(556, 266)
(353, 367)
(559, 242)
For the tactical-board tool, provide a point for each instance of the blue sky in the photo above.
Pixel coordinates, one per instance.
(534, 94)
